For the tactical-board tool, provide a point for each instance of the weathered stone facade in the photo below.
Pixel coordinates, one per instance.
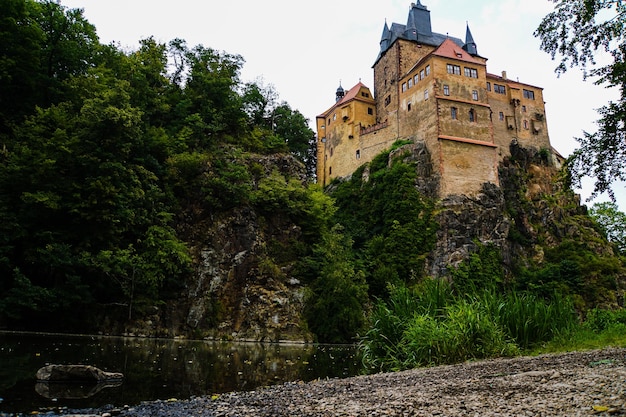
(434, 89)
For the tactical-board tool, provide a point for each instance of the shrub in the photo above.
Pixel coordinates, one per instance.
(428, 324)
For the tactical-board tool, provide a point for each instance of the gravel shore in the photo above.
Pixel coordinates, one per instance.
(571, 384)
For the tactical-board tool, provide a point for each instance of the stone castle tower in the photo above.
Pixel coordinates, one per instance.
(434, 89)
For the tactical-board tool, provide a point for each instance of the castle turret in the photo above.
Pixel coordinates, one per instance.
(411, 29)
(385, 38)
(340, 93)
(470, 45)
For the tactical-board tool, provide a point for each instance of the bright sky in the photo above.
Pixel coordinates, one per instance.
(304, 49)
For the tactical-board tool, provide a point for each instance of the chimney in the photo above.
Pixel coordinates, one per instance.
(504, 75)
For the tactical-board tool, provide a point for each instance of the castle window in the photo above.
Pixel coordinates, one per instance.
(472, 115)
(410, 82)
(471, 72)
(453, 113)
(421, 74)
(370, 110)
(387, 100)
(529, 94)
(335, 116)
(501, 116)
(500, 89)
(425, 94)
(403, 87)
(330, 170)
(453, 69)
(416, 79)
(358, 154)
(365, 95)
(525, 124)
(331, 152)
(475, 94)
(524, 109)
(427, 70)
(488, 86)
(328, 121)
(446, 90)
(408, 106)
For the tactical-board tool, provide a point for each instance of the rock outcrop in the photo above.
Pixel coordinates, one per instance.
(238, 292)
(76, 373)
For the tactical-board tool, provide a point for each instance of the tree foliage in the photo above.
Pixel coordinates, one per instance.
(585, 34)
(101, 148)
(391, 223)
(612, 221)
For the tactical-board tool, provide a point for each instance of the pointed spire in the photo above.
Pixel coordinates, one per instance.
(385, 38)
(411, 29)
(340, 93)
(470, 45)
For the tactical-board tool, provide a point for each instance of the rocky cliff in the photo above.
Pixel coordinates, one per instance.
(238, 291)
(245, 285)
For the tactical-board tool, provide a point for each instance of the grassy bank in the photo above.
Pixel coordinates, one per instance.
(431, 325)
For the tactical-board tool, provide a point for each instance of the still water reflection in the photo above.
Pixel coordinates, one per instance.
(158, 368)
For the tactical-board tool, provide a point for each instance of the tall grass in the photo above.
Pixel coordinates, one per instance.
(429, 325)
(529, 319)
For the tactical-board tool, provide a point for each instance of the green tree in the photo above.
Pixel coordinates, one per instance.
(42, 44)
(79, 183)
(20, 41)
(259, 102)
(336, 306)
(293, 128)
(612, 221)
(581, 33)
(211, 93)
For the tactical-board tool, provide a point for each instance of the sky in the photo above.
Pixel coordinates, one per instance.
(306, 49)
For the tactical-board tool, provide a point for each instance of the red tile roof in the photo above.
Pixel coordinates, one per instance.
(351, 94)
(449, 49)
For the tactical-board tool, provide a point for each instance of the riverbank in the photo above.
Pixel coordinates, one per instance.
(570, 384)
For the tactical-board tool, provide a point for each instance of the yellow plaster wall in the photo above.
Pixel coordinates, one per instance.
(339, 146)
(511, 105)
(465, 167)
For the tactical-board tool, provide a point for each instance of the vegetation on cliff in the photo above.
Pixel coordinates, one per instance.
(101, 152)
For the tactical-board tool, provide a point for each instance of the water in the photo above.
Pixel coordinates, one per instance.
(157, 368)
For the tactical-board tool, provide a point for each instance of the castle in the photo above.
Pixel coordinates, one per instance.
(434, 89)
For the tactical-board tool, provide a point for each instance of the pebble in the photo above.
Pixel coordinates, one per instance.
(545, 385)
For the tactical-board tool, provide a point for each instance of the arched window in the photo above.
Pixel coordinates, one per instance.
(472, 115)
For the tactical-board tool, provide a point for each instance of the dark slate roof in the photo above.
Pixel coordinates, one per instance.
(418, 28)
(397, 31)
